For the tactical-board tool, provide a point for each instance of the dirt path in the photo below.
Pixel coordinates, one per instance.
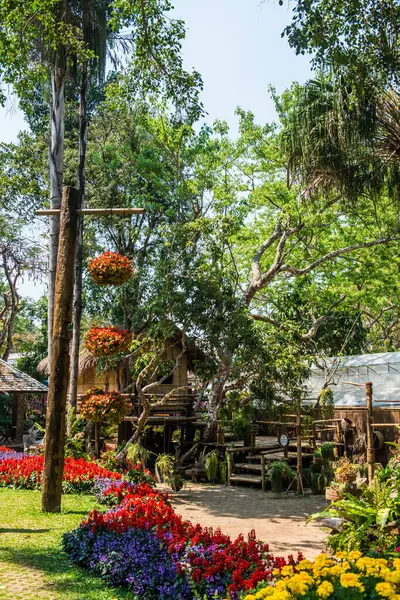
(278, 520)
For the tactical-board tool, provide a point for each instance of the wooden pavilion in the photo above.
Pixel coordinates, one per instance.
(19, 385)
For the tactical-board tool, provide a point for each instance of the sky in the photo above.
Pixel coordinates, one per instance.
(237, 47)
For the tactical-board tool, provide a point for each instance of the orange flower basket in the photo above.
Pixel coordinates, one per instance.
(107, 341)
(99, 406)
(111, 268)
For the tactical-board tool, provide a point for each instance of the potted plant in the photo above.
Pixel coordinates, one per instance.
(317, 463)
(110, 268)
(166, 473)
(279, 474)
(328, 451)
(99, 407)
(107, 341)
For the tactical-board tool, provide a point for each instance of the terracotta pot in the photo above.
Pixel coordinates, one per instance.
(332, 495)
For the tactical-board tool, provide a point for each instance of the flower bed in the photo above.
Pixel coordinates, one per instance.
(111, 268)
(6, 453)
(103, 407)
(204, 563)
(347, 576)
(26, 473)
(107, 341)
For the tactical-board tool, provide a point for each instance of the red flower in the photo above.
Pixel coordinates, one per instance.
(107, 341)
(26, 473)
(243, 563)
(111, 268)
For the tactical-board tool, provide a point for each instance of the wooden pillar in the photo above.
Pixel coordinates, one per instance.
(370, 435)
(263, 486)
(19, 401)
(230, 466)
(59, 365)
(97, 440)
(299, 450)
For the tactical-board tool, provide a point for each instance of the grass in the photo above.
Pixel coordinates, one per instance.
(32, 562)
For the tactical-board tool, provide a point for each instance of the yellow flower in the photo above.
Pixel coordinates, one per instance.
(336, 570)
(340, 555)
(304, 565)
(391, 576)
(325, 589)
(267, 591)
(351, 580)
(396, 563)
(287, 571)
(354, 555)
(385, 590)
(250, 597)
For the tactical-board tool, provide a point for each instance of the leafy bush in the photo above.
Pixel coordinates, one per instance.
(365, 520)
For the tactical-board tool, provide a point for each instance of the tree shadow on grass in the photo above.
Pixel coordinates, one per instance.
(70, 581)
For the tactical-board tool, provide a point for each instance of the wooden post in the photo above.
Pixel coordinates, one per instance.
(338, 432)
(229, 457)
(370, 435)
(59, 365)
(299, 451)
(20, 417)
(263, 486)
(97, 439)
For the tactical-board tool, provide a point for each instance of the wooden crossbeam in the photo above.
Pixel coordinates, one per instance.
(54, 212)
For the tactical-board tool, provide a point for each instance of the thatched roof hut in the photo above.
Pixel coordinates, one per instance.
(18, 384)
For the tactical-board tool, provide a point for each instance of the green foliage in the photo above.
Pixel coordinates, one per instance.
(211, 466)
(165, 466)
(365, 519)
(5, 412)
(327, 403)
(138, 454)
(33, 347)
(280, 470)
(359, 37)
(327, 451)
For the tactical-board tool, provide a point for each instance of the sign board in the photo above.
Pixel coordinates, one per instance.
(283, 439)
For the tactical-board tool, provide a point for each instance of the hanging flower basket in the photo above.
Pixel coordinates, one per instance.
(107, 341)
(99, 406)
(111, 268)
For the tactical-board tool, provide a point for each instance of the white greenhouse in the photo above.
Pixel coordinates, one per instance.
(382, 369)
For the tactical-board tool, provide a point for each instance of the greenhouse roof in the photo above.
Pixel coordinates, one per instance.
(382, 369)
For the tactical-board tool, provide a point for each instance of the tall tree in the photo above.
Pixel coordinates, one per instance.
(16, 260)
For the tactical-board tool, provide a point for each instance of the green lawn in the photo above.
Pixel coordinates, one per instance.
(32, 562)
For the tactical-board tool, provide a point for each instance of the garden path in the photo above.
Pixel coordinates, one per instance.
(278, 520)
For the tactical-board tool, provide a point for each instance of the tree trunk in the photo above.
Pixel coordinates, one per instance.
(59, 365)
(56, 159)
(213, 406)
(77, 302)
